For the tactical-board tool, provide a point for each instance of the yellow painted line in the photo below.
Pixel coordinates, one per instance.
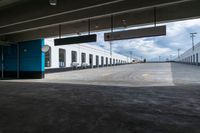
(145, 75)
(107, 74)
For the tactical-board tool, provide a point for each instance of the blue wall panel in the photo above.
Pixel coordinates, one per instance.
(10, 58)
(31, 56)
(10, 61)
(0, 60)
(31, 59)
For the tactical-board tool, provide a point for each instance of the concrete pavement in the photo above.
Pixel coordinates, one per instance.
(149, 74)
(167, 102)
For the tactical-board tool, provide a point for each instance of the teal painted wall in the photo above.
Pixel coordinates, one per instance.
(31, 59)
(31, 56)
(0, 61)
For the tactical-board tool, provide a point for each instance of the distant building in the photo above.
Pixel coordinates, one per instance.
(80, 55)
(190, 56)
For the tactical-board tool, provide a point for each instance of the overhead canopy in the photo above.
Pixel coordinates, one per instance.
(32, 19)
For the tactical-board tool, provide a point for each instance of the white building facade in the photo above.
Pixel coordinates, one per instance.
(80, 55)
(191, 56)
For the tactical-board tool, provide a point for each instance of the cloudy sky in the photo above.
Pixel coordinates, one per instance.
(178, 36)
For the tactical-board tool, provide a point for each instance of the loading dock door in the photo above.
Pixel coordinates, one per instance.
(91, 60)
(97, 61)
(106, 61)
(102, 61)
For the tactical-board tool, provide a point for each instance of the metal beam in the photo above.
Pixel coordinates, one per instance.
(10, 25)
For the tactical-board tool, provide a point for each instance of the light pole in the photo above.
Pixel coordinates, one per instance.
(131, 55)
(111, 49)
(192, 35)
(141, 58)
(159, 58)
(178, 52)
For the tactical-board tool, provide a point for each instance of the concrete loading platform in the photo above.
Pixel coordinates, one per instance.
(132, 75)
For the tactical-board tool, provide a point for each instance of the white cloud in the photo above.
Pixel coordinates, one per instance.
(177, 37)
(143, 47)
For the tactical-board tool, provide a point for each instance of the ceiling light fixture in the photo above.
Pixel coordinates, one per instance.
(96, 26)
(53, 2)
(124, 23)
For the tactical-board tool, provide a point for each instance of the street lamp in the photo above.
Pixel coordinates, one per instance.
(111, 49)
(131, 55)
(178, 52)
(159, 58)
(192, 35)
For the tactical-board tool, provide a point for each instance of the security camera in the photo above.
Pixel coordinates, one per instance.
(53, 2)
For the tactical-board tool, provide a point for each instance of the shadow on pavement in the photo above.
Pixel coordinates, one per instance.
(68, 108)
(183, 74)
